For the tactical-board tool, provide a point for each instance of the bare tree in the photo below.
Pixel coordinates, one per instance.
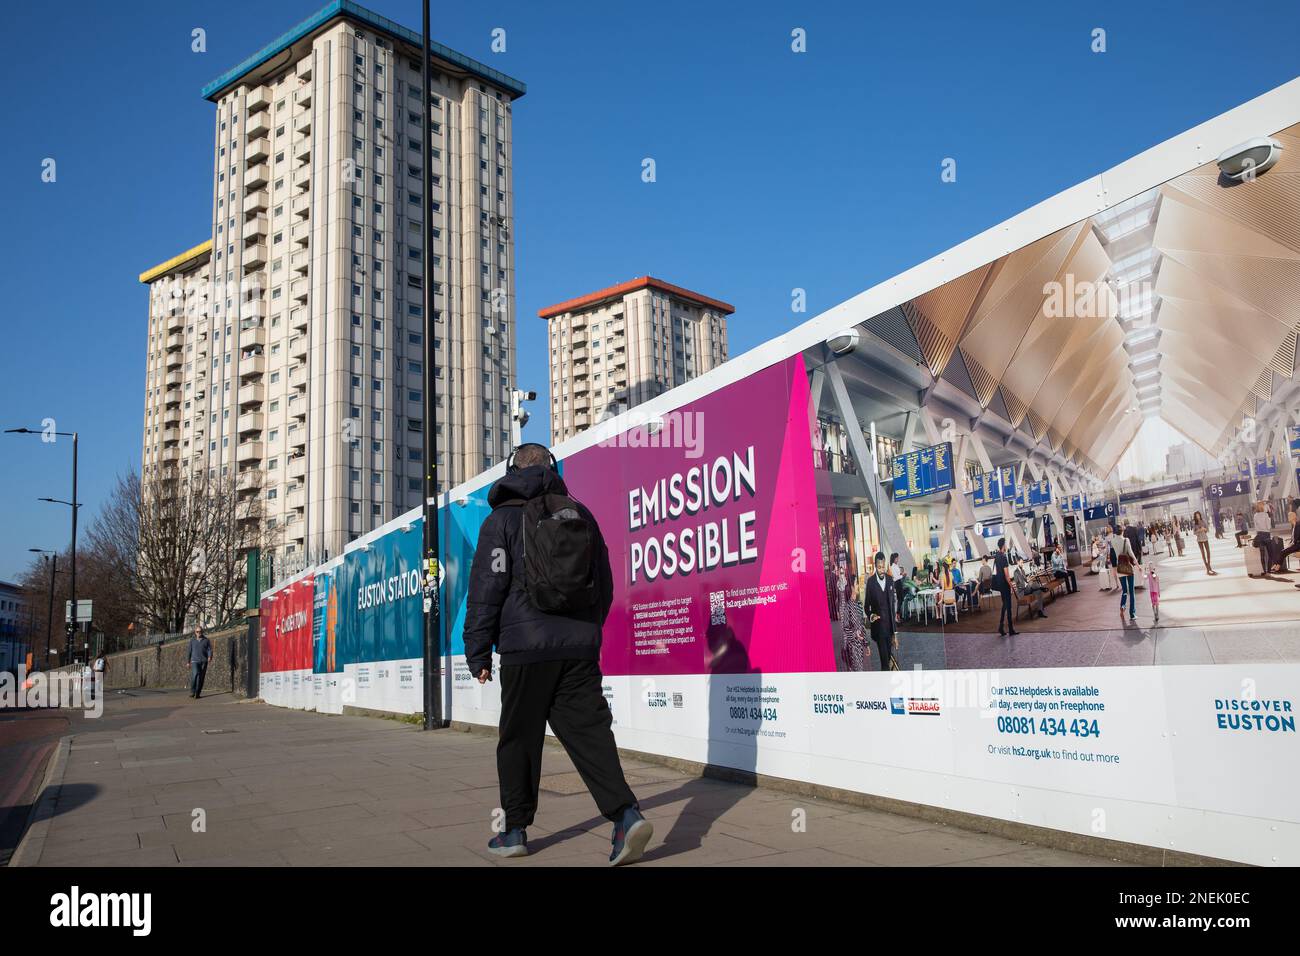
(176, 545)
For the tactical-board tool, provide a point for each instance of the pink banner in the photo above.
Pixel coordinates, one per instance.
(711, 521)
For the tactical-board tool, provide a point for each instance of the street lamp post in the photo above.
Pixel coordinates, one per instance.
(52, 559)
(433, 642)
(72, 625)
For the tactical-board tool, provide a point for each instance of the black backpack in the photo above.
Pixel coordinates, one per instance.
(559, 554)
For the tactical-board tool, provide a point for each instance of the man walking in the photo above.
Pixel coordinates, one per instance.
(1002, 581)
(200, 655)
(540, 589)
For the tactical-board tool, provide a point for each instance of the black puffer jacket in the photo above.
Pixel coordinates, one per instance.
(498, 615)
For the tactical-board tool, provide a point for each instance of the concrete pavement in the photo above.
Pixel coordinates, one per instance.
(167, 781)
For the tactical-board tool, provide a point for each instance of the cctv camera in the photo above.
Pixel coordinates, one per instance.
(844, 342)
(1249, 159)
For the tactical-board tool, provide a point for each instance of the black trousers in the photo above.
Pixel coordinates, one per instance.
(885, 643)
(567, 694)
(1006, 609)
(1071, 582)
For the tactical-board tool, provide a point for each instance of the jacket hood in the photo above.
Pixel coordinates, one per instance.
(527, 483)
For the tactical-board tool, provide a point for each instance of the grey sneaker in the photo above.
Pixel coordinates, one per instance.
(511, 843)
(631, 834)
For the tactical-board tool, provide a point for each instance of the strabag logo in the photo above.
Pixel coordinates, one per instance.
(75, 909)
(1266, 716)
(923, 706)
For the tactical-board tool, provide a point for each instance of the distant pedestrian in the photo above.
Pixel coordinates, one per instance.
(99, 668)
(200, 656)
(540, 588)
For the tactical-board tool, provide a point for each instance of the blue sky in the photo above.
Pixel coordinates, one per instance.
(775, 170)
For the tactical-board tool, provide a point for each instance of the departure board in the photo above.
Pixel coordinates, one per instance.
(926, 471)
(1294, 435)
(990, 487)
(1264, 467)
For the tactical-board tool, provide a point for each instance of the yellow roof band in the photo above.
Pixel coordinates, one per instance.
(165, 267)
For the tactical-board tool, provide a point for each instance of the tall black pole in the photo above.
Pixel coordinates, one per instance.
(72, 627)
(432, 571)
(49, 616)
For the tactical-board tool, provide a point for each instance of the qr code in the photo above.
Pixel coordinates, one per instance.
(677, 700)
(717, 607)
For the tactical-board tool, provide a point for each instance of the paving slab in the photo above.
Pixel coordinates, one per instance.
(290, 788)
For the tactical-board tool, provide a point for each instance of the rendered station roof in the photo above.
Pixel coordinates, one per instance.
(1182, 301)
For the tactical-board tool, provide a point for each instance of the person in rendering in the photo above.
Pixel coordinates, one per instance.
(200, 656)
(1134, 539)
(1263, 537)
(1124, 561)
(880, 611)
(550, 660)
(1029, 588)
(896, 573)
(1061, 571)
(1002, 581)
(1203, 540)
(853, 624)
(1293, 516)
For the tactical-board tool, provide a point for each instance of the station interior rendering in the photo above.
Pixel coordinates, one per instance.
(1029, 386)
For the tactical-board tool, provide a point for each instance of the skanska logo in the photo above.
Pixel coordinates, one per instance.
(77, 909)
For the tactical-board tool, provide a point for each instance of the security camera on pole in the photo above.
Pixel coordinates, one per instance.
(519, 415)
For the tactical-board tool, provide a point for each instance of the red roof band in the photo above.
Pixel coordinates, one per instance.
(644, 282)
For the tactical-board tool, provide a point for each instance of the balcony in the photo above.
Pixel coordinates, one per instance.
(302, 122)
(175, 341)
(299, 262)
(297, 467)
(298, 320)
(251, 395)
(299, 289)
(254, 364)
(302, 178)
(301, 233)
(258, 99)
(298, 348)
(175, 321)
(301, 206)
(173, 379)
(250, 422)
(249, 451)
(171, 435)
(170, 455)
(302, 149)
(298, 376)
(252, 312)
(257, 149)
(303, 69)
(256, 202)
(257, 124)
(302, 95)
(295, 498)
(253, 336)
(257, 176)
(255, 229)
(254, 256)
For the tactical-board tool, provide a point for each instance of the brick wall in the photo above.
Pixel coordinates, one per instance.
(167, 665)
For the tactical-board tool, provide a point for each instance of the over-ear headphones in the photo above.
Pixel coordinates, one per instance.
(511, 468)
